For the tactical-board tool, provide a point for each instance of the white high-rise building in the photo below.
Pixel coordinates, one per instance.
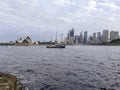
(105, 35)
(98, 36)
(114, 35)
(71, 40)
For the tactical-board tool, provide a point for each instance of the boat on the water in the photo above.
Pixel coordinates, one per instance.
(56, 46)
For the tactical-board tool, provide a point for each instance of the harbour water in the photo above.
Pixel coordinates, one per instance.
(72, 68)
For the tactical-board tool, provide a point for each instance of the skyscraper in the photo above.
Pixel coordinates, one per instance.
(85, 37)
(99, 37)
(94, 37)
(81, 37)
(71, 36)
(105, 35)
(72, 33)
(91, 39)
(114, 35)
(77, 39)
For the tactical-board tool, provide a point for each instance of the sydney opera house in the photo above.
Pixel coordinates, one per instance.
(25, 42)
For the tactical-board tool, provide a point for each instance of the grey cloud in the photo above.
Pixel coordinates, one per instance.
(34, 17)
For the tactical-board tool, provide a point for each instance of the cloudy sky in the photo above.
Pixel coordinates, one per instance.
(42, 18)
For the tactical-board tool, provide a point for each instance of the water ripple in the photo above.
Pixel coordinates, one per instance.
(72, 68)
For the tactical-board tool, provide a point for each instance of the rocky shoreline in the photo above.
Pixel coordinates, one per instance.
(9, 82)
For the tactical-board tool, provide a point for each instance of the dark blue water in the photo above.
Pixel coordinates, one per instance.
(72, 68)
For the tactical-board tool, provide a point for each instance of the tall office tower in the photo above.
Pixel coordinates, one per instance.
(94, 37)
(71, 36)
(105, 35)
(99, 37)
(116, 35)
(81, 37)
(72, 32)
(112, 34)
(90, 39)
(77, 39)
(85, 37)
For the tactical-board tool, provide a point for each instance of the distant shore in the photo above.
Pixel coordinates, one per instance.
(66, 45)
(114, 43)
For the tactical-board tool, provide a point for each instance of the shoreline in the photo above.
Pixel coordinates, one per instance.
(32, 44)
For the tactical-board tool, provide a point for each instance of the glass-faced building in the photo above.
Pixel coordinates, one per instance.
(85, 37)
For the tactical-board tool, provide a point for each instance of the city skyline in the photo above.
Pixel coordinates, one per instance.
(105, 36)
(72, 34)
(40, 19)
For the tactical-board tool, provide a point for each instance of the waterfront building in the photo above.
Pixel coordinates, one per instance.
(114, 35)
(90, 39)
(99, 37)
(68, 36)
(81, 37)
(94, 37)
(19, 40)
(71, 40)
(105, 35)
(72, 32)
(27, 40)
(71, 36)
(85, 37)
(66, 40)
(77, 39)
